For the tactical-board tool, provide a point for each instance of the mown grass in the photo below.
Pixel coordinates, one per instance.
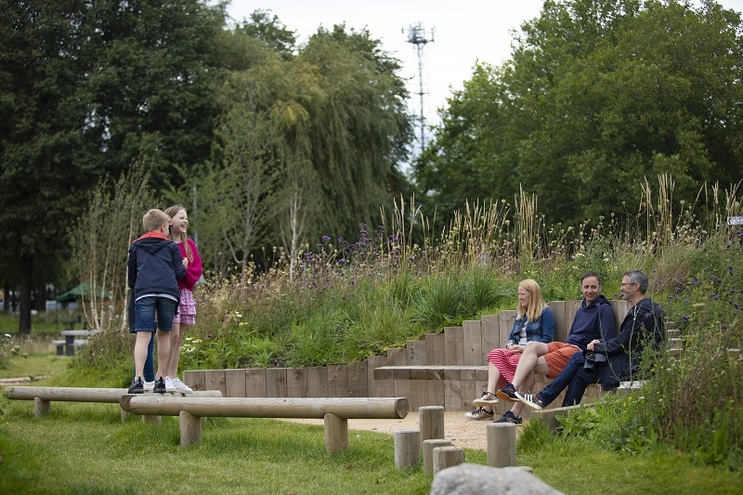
(85, 449)
(34, 366)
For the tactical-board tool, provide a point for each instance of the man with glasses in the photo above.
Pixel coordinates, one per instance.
(614, 360)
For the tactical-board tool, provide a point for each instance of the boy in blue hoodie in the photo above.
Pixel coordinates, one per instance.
(593, 320)
(154, 267)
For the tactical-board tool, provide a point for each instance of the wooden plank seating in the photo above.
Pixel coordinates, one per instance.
(43, 396)
(452, 369)
(334, 411)
(61, 346)
(72, 340)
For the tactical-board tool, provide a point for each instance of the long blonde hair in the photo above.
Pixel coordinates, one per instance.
(172, 212)
(536, 301)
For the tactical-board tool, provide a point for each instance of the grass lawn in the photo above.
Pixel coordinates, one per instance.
(85, 449)
(34, 366)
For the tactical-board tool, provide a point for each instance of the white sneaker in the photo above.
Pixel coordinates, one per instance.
(169, 387)
(181, 387)
(486, 400)
(479, 413)
(149, 386)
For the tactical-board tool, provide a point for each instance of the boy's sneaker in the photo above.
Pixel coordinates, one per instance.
(531, 400)
(479, 413)
(509, 417)
(180, 386)
(487, 399)
(169, 387)
(137, 387)
(507, 393)
(159, 386)
(148, 386)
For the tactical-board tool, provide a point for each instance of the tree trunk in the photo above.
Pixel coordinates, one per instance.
(24, 324)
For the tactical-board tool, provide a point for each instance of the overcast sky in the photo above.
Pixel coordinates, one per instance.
(465, 32)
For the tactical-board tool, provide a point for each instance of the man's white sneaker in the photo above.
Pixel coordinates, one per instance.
(169, 387)
(149, 386)
(181, 387)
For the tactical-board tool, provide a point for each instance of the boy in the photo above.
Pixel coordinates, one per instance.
(154, 267)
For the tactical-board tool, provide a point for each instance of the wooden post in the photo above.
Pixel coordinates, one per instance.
(407, 448)
(190, 428)
(501, 444)
(336, 433)
(41, 407)
(431, 422)
(124, 416)
(444, 457)
(428, 446)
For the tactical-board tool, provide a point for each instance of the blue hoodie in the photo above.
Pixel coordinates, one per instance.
(592, 321)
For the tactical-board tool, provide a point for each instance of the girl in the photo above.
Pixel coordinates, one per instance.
(534, 321)
(186, 315)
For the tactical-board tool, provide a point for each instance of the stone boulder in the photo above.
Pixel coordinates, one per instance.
(475, 479)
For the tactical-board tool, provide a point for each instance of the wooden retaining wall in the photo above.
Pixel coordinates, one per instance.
(464, 347)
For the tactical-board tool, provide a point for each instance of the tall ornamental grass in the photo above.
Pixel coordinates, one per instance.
(347, 300)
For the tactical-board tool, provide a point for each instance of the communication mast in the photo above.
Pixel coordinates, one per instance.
(417, 36)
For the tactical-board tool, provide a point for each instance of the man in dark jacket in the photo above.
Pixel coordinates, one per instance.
(593, 320)
(609, 361)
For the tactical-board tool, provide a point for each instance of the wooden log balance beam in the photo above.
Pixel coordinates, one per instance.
(334, 411)
(43, 396)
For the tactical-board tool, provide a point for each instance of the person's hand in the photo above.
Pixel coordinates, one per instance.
(185, 262)
(591, 345)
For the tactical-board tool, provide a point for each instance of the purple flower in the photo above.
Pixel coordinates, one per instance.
(685, 319)
(714, 296)
(325, 238)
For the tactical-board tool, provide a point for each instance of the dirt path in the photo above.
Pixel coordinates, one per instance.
(461, 431)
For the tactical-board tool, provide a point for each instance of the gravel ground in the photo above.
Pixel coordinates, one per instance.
(461, 431)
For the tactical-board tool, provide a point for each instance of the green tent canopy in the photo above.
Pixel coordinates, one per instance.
(80, 291)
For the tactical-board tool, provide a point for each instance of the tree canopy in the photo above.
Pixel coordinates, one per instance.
(598, 95)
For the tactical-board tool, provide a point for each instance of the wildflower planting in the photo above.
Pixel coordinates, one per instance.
(342, 301)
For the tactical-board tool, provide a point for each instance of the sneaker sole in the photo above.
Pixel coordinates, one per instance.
(529, 403)
(503, 396)
(485, 402)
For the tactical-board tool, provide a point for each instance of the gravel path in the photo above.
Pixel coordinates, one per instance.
(461, 431)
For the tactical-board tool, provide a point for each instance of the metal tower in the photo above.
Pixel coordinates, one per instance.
(417, 36)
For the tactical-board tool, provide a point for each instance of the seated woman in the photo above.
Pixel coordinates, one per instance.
(534, 321)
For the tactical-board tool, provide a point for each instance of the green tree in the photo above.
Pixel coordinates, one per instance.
(313, 140)
(86, 88)
(598, 95)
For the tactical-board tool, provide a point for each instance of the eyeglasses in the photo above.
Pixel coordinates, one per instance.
(627, 283)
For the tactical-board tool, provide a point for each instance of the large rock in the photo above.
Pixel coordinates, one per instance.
(475, 479)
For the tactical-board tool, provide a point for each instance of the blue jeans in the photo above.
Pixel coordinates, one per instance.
(149, 364)
(581, 379)
(572, 376)
(561, 381)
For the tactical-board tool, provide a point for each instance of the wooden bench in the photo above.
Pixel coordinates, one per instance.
(60, 346)
(334, 411)
(43, 396)
(418, 372)
(71, 340)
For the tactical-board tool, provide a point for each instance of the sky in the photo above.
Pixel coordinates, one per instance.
(464, 33)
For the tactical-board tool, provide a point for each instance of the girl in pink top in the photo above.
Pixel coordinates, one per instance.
(186, 315)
